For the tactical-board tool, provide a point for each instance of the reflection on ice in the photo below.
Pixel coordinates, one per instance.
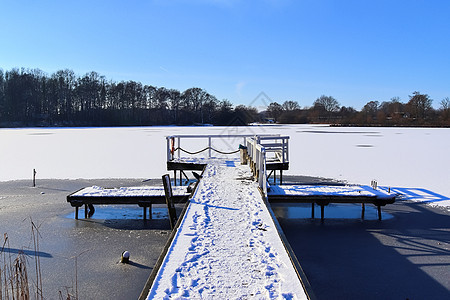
(332, 211)
(125, 212)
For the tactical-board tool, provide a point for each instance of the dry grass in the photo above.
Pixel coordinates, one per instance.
(14, 282)
(14, 274)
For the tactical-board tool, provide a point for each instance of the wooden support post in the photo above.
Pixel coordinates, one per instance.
(169, 201)
(379, 212)
(281, 176)
(34, 177)
(85, 211)
(150, 212)
(322, 212)
(181, 179)
(145, 212)
(174, 177)
(312, 210)
(270, 174)
(275, 177)
(363, 210)
(76, 213)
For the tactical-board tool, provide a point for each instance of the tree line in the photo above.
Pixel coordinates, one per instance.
(418, 111)
(30, 97)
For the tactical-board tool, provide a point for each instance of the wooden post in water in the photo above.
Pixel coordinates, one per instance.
(34, 177)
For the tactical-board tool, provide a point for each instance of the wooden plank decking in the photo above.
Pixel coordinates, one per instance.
(143, 196)
(227, 245)
(323, 195)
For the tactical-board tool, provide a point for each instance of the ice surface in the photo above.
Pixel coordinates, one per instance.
(407, 159)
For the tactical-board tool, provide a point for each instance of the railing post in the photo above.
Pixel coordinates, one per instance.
(263, 171)
(169, 158)
(179, 146)
(287, 149)
(209, 146)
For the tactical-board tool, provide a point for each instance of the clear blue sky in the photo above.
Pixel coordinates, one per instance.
(355, 51)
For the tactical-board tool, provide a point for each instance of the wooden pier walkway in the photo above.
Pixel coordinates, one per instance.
(227, 245)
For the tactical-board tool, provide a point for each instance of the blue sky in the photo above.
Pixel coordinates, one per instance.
(353, 50)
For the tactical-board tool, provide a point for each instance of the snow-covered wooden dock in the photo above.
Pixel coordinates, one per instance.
(144, 196)
(323, 195)
(227, 245)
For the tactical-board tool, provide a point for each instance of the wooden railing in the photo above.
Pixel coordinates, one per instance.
(260, 150)
(175, 146)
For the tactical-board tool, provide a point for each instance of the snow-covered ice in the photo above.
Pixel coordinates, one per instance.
(414, 161)
(227, 246)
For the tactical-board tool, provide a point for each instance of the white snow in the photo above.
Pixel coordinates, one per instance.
(227, 246)
(325, 190)
(96, 191)
(406, 159)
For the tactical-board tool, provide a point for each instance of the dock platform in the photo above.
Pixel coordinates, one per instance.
(143, 196)
(227, 245)
(227, 242)
(323, 195)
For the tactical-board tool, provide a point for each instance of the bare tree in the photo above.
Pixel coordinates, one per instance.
(274, 110)
(445, 103)
(328, 103)
(419, 105)
(290, 105)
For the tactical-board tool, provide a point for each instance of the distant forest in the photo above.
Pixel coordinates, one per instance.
(30, 97)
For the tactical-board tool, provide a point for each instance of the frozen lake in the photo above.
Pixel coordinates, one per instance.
(413, 160)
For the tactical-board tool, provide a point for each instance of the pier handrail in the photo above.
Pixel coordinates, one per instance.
(174, 142)
(260, 167)
(258, 148)
(279, 145)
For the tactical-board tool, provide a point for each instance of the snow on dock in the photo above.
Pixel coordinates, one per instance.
(329, 190)
(138, 191)
(227, 245)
